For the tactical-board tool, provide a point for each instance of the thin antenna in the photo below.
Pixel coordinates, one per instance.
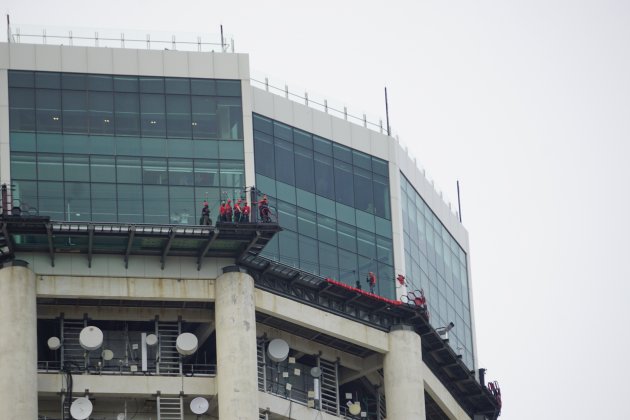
(8, 28)
(389, 131)
(222, 41)
(459, 203)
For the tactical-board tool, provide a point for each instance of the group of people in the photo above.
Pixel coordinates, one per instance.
(239, 212)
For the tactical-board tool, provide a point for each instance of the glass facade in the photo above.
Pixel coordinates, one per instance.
(332, 201)
(436, 263)
(124, 148)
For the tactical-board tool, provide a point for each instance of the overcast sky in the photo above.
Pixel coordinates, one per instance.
(527, 103)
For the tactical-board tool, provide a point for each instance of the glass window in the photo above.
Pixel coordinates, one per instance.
(152, 146)
(127, 113)
(152, 115)
(21, 78)
(47, 80)
(73, 81)
(286, 216)
(328, 260)
(308, 254)
(154, 171)
(128, 170)
(100, 82)
(285, 192)
(229, 87)
(322, 146)
(23, 142)
(151, 84)
(362, 160)
(156, 204)
(202, 87)
(365, 220)
(180, 172)
(230, 118)
(345, 214)
(182, 205)
(78, 200)
(231, 150)
(48, 110)
(25, 195)
(101, 112)
(381, 197)
(178, 116)
(49, 143)
(342, 153)
(344, 183)
(177, 85)
(307, 222)
(128, 146)
(346, 237)
(76, 168)
(264, 155)
(204, 117)
(50, 201)
(284, 157)
(380, 167)
(304, 169)
(305, 199)
(23, 166)
(324, 182)
(303, 139)
(232, 174)
(348, 267)
(104, 203)
(206, 172)
(384, 250)
(180, 148)
(366, 243)
(130, 203)
(126, 83)
(326, 229)
(288, 247)
(282, 131)
(263, 124)
(102, 169)
(49, 167)
(206, 149)
(74, 111)
(363, 194)
(21, 109)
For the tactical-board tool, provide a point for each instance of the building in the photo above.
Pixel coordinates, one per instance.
(111, 151)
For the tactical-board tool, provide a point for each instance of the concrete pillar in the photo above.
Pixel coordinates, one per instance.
(237, 373)
(402, 368)
(18, 343)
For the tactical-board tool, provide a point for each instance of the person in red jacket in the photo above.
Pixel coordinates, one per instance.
(371, 279)
(222, 211)
(246, 211)
(237, 211)
(263, 209)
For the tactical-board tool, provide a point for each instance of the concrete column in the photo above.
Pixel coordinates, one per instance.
(18, 343)
(237, 373)
(402, 368)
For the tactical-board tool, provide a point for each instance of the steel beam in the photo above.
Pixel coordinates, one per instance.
(132, 233)
(167, 247)
(51, 250)
(213, 236)
(90, 244)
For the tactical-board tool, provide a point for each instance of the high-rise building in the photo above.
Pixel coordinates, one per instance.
(109, 155)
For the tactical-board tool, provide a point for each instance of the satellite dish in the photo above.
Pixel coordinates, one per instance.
(120, 416)
(107, 354)
(54, 343)
(81, 408)
(91, 338)
(354, 408)
(278, 350)
(152, 340)
(199, 405)
(316, 372)
(186, 344)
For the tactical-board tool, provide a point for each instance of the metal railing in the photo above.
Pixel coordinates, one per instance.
(188, 369)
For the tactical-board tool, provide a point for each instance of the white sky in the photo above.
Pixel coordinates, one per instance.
(527, 103)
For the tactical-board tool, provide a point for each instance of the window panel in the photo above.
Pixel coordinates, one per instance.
(232, 174)
(102, 169)
(154, 171)
(25, 195)
(127, 113)
(152, 115)
(328, 260)
(182, 205)
(228, 87)
(206, 172)
(21, 78)
(47, 80)
(303, 139)
(348, 267)
(125, 83)
(23, 166)
(230, 118)
(74, 111)
(344, 184)
(347, 237)
(153, 146)
(180, 172)
(282, 131)
(288, 247)
(362, 160)
(100, 82)
(381, 197)
(285, 171)
(204, 117)
(308, 254)
(264, 155)
(285, 192)
(155, 200)
(101, 112)
(130, 203)
(151, 84)
(342, 153)
(50, 201)
(49, 167)
(128, 146)
(206, 149)
(73, 81)
(180, 148)
(231, 150)
(178, 116)
(128, 170)
(203, 87)
(363, 194)
(262, 124)
(326, 229)
(23, 142)
(366, 242)
(48, 110)
(104, 202)
(307, 223)
(78, 202)
(76, 168)
(324, 182)
(322, 146)
(21, 109)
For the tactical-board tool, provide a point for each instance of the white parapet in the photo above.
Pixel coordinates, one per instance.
(18, 344)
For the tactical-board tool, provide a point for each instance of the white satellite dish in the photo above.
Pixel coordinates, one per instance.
(278, 350)
(316, 372)
(354, 408)
(54, 343)
(199, 405)
(81, 408)
(91, 338)
(152, 340)
(121, 416)
(186, 344)
(107, 354)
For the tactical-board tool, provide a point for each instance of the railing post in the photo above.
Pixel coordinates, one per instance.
(345, 113)
(306, 98)
(267, 84)
(286, 91)
(364, 120)
(326, 105)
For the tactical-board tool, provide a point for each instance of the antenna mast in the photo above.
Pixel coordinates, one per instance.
(389, 131)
